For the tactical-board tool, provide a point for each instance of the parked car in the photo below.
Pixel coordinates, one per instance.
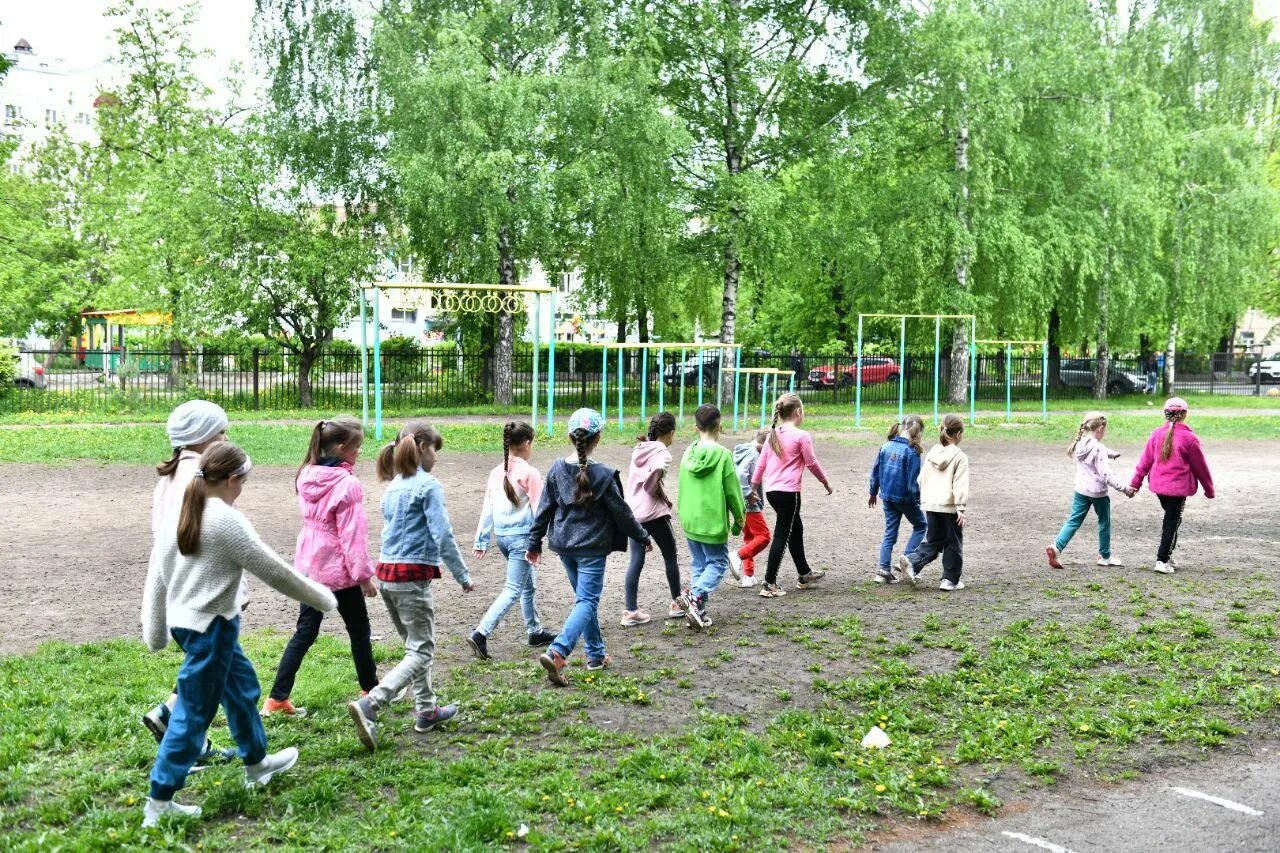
(1268, 366)
(709, 367)
(27, 372)
(1078, 373)
(874, 369)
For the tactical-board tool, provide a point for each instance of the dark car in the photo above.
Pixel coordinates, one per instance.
(690, 368)
(1078, 373)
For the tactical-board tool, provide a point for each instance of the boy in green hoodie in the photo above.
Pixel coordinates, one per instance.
(709, 494)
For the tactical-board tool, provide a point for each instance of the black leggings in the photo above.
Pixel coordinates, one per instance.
(788, 534)
(665, 538)
(1169, 529)
(355, 616)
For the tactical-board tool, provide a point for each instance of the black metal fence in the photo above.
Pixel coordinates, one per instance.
(261, 379)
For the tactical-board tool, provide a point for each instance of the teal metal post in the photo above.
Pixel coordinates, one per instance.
(377, 364)
(902, 367)
(644, 386)
(1008, 382)
(662, 380)
(701, 376)
(764, 397)
(551, 365)
(604, 383)
(973, 369)
(537, 345)
(937, 359)
(1044, 381)
(684, 359)
(720, 378)
(737, 384)
(364, 361)
(621, 388)
(857, 379)
(791, 383)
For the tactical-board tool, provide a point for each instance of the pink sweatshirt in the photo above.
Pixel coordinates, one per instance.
(649, 461)
(333, 546)
(1177, 476)
(784, 473)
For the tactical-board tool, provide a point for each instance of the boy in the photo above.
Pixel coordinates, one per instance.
(755, 533)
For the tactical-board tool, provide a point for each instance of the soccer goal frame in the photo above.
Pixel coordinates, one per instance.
(902, 360)
(1008, 374)
(662, 348)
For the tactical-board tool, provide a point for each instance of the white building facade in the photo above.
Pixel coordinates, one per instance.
(38, 95)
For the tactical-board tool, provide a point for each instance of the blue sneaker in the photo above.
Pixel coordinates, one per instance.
(428, 720)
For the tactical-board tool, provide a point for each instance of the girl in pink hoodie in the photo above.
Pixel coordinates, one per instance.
(1093, 476)
(652, 508)
(333, 550)
(1175, 467)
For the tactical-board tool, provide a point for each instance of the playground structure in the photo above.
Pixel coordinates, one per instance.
(764, 373)
(662, 348)
(902, 357)
(102, 344)
(1008, 375)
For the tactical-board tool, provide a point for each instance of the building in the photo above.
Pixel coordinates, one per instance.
(1258, 333)
(39, 94)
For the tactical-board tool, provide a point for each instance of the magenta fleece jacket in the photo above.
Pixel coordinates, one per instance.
(1177, 476)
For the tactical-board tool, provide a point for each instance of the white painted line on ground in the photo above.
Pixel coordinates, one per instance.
(1218, 801)
(1037, 842)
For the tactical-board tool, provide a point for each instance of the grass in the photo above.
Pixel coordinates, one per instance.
(643, 756)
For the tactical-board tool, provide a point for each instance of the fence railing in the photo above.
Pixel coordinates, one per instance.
(440, 378)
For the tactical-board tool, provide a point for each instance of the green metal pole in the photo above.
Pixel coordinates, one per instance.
(720, 378)
(701, 377)
(644, 386)
(364, 360)
(857, 379)
(551, 365)
(1008, 382)
(973, 369)
(621, 388)
(791, 383)
(764, 396)
(937, 359)
(684, 359)
(604, 383)
(537, 345)
(1044, 382)
(662, 380)
(737, 384)
(377, 364)
(902, 368)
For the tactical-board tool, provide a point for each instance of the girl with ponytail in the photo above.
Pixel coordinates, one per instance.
(510, 499)
(944, 496)
(1093, 476)
(1175, 466)
(192, 595)
(652, 508)
(781, 468)
(894, 477)
(585, 518)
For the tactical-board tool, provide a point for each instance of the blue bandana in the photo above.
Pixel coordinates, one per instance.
(588, 420)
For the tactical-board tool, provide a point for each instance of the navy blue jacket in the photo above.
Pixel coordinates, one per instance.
(895, 476)
(594, 529)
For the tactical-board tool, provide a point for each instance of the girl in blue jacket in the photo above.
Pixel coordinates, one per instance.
(894, 479)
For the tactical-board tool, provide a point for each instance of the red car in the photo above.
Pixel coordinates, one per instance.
(874, 369)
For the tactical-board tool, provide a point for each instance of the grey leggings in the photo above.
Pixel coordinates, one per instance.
(664, 537)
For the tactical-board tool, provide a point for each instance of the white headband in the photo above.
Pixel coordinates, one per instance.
(239, 472)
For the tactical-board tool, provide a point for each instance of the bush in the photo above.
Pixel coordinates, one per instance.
(8, 365)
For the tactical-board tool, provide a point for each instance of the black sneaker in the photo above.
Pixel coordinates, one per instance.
(213, 755)
(887, 577)
(157, 721)
(542, 638)
(479, 644)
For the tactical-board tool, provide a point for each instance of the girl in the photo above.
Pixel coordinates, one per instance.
(332, 550)
(894, 477)
(944, 494)
(755, 532)
(192, 594)
(1175, 464)
(652, 508)
(416, 538)
(1093, 476)
(585, 518)
(781, 469)
(509, 500)
(193, 428)
(709, 494)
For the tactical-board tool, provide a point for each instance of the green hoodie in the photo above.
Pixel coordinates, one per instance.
(709, 492)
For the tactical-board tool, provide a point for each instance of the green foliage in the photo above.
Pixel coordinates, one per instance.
(8, 367)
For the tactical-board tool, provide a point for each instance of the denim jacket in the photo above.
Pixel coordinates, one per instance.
(896, 472)
(416, 526)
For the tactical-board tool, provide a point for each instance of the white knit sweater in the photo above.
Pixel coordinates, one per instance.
(190, 591)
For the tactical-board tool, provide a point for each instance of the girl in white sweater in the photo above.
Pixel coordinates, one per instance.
(192, 594)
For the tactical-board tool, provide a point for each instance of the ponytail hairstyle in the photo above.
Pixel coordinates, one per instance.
(584, 442)
(514, 433)
(951, 427)
(220, 462)
(1092, 420)
(170, 465)
(784, 409)
(707, 418)
(659, 425)
(1175, 412)
(912, 427)
(416, 447)
(327, 437)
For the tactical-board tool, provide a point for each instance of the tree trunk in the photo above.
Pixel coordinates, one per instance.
(1102, 363)
(55, 349)
(622, 324)
(1055, 349)
(957, 391)
(1170, 352)
(306, 360)
(502, 390)
(642, 319)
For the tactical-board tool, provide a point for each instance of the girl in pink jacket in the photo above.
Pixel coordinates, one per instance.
(786, 455)
(1174, 465)
(333, 550)
(652, 508)
(1093, 477)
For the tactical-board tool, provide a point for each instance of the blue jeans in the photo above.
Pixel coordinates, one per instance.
(710, 562)
(1080, 505)
(894, 512)
(586, 576)
(214, 672)
(521, 586)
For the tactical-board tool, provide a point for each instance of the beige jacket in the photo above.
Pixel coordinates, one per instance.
(944, 480)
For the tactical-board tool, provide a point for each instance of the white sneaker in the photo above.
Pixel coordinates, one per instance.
(258, 775)
(748, 581)
(1173, 561)
(907, 570)
(1110, 561)
(735, 566)
(1163, 568)
(948, 586)
(631, 618)
(156, 809)
(674, 612)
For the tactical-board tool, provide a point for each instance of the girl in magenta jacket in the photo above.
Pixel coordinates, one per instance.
(333, 550)
(1174, 465)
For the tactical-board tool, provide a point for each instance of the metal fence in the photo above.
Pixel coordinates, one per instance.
(264, 379)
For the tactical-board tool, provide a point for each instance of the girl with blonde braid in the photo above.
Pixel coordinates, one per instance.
(1093, 476)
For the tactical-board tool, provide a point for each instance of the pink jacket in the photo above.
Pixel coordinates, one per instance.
(784, 473)
(1177, 476)
(333, 546)
(649, 461)
(1093, 473)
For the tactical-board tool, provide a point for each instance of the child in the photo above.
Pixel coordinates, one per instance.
(332, 550)
(755, 532)
(192, 593)
(584, 517)
(193, 428)
(781, 469)
(416, 538)
(1175, 464)
(709, 493)
(1093, 476)
(652, 508)
(895, 478)
(510, 498)
(944, 494)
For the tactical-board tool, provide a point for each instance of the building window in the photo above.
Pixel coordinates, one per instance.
(404, 315)
(12, 113)
(82, 118)
(50, 117)
(405, 268)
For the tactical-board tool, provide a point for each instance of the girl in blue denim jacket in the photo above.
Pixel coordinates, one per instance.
(416, 538)
(894, 478)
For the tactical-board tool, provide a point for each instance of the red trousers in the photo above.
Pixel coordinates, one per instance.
(755, 534)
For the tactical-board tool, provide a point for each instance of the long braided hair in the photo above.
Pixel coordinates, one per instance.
(1175, 416)
(785, 407)
(514, 434)
(912, 426)
(584, 442)
(1092, 420)
(659, 425)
